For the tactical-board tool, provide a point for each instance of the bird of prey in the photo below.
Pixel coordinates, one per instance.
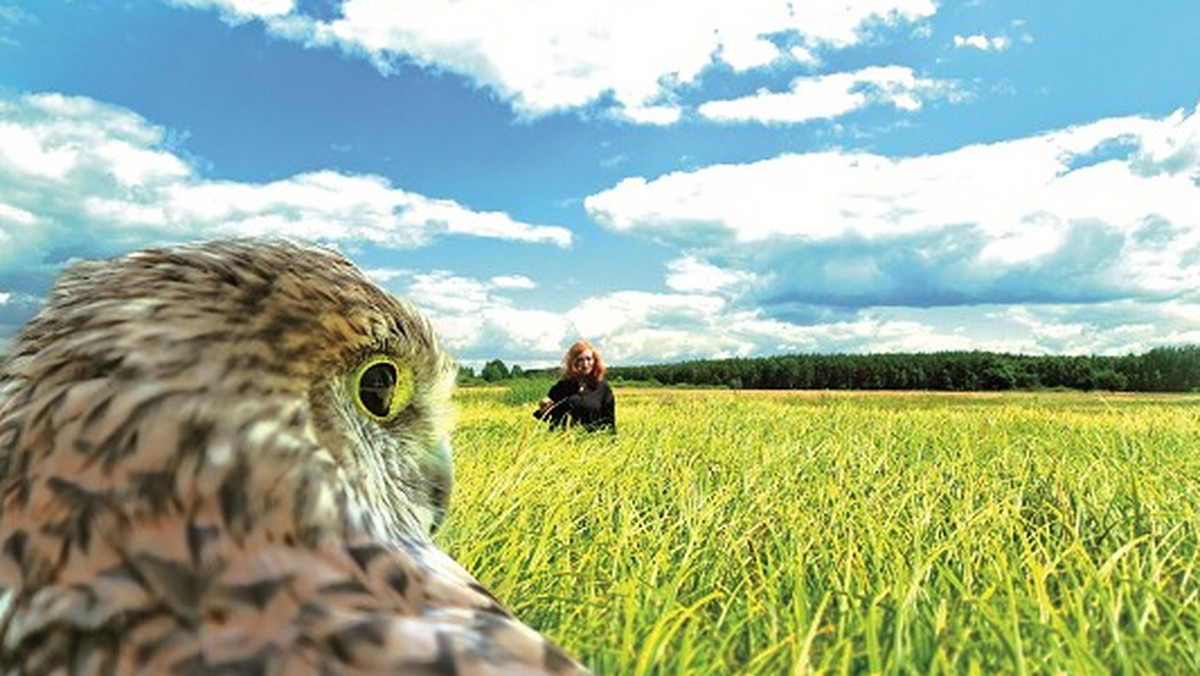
(229, 458)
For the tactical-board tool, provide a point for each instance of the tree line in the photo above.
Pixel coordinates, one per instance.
(1165, 369)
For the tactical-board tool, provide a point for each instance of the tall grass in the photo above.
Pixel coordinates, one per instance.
(750, 533)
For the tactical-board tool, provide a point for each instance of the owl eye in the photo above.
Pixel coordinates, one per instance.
(383, 387)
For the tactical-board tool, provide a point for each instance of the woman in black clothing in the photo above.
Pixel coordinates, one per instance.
(582, 397)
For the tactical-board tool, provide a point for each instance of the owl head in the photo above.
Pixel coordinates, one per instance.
(267, 348)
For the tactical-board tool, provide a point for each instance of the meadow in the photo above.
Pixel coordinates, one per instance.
(740, 532)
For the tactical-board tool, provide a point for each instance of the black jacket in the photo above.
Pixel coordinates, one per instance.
(592, 407)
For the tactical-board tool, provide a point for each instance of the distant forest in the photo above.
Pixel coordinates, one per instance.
(1168, 369)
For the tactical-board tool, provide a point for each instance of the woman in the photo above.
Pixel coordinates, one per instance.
(582, 396)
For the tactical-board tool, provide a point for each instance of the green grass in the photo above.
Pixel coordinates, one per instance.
(764, 533)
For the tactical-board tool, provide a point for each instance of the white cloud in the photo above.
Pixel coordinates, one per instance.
(243, 10)
(843, 24)
(476, 321)
(1118, 327)
(79, 178)
(15, 216)
(833, 95)
(597, 316)
(42, 138)
(73, 169)
(637, 326)
(642, 328)
(1172, 147)
(383, 276)
(1102, 211)
(1060, 243)
(513, 282)
(995, 43)
(549, 55)
(689, 274)
(750, 53)
(444, 292)
(805, 56)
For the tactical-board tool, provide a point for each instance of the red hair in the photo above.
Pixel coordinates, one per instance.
(568, 368)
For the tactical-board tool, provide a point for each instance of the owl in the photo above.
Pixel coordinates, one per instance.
(229, 458)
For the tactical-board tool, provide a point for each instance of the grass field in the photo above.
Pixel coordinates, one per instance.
(725, 532)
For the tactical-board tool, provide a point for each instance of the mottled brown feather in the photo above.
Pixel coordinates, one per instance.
(188, 488)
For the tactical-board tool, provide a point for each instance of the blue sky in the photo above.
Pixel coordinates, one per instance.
(669, 179)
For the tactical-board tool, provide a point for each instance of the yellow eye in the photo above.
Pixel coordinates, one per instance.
(383, 388)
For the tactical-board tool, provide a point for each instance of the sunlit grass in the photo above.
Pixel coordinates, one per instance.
(775, 533)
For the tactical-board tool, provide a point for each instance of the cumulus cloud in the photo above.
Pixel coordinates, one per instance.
(994, 43)
(477, 320)
(1080, 241)
(550, 55)
(513, 282)
(243, 10)
(1172, 147)
(638, 327)
(1105, 211)
(689, 274)
(79, 178)
(833, 95)
(74, 165)
(634, 328)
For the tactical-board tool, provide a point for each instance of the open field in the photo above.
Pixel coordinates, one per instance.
(729, 532)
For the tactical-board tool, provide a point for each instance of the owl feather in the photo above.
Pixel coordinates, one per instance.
(229, 458)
